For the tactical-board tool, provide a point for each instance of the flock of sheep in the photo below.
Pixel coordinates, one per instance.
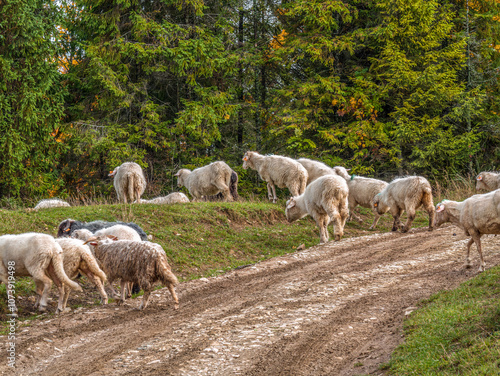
(108, 251)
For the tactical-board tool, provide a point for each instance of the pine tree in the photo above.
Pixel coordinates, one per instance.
(31, 97)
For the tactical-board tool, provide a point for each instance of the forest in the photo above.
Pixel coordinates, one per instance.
(384, 87)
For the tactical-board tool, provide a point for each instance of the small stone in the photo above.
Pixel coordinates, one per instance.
(301, 247)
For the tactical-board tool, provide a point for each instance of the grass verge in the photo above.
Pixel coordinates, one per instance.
(454, 332)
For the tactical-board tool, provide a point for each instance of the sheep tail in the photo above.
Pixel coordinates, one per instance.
(57, 263)
(165, 273)
(233, 186)
(93, 266)
(131, 186)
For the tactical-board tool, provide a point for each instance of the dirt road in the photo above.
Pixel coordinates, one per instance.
(335, 309)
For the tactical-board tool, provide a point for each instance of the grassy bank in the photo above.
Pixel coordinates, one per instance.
(454, 332)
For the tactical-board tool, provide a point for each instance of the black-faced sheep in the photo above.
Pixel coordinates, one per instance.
(207, 180)
(77, 258)
(129, 181)
(488, 181)
(477, 215)
(325, 199)
(143, 263)
(409, 193)
(67, 227)
(39, 256)
(277, 171)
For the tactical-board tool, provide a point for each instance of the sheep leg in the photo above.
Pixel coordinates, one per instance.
(352, 206)
(275, 198)
(114, 293)
(396, 214)
(344, 213)
(98, 283)
(60, 287)
(43, 284)
(123, 289)
(269, 192)
(477, 239)
(432, 215)
(145, 299)
(67, 290)
(375, 220)
(467, 256)
(171, 288)
(411, 216)
(224, 189)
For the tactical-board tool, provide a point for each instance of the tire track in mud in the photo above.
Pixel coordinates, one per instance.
(331, 309)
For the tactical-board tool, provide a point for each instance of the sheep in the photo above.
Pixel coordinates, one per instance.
(325, 199)
(77, 258)
(142, 263)
(120, 232)
(361, 192)
(277, 170)
(51, 203)
(207, 180)
(129, 181)
(233, 189)
(487, 181)
(172, 198)
(408, 193)
(69, 225)
(477, 215)
(39, 256)
(315, 169)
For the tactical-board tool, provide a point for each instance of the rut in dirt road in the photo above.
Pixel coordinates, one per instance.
(334, 309)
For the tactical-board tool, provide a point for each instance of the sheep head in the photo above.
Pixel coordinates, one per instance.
(442, 214)
(247, 159)
(65, 228)
(379, 204)
(292, 212)
(113, 173)
(182, 174)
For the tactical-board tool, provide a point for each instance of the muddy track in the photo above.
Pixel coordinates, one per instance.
(335, 309)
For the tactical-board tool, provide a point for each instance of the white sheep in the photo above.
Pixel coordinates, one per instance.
(362, 192)
(82, 234)
(409, 193)
(142, 263)
(129, 182)
(477, 215)
(207, 180)
(172, 198)
(51, 203)
(277, 171)
(39, 256)
(77, 258)
(325, 199)
(488, 181)
(315, 169)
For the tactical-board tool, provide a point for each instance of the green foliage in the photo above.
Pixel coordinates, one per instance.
(31, 98)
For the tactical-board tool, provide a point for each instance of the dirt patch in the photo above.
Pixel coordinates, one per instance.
(335, 309)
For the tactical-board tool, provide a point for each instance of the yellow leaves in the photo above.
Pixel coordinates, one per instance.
(226, 116)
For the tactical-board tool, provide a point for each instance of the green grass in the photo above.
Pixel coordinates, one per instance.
(454, 332)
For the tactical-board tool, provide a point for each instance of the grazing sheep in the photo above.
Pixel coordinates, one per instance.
(129, 181)
(143, 263)
(172, 198)
(39, 256)
(361, 192)
(207, 180)
(67, 227)
(477, 215)
(487, 181)
(409, 193)
(77, 258)
(51, 203)
(277, 170)
(325, 199)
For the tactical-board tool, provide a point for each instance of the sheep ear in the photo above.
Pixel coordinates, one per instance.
(245, 158)
(67, 229)
(375, 204)
(479, 178)
(348, 169)
(112, 237)
(291, 203)
(177, 174)
(440, 208)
